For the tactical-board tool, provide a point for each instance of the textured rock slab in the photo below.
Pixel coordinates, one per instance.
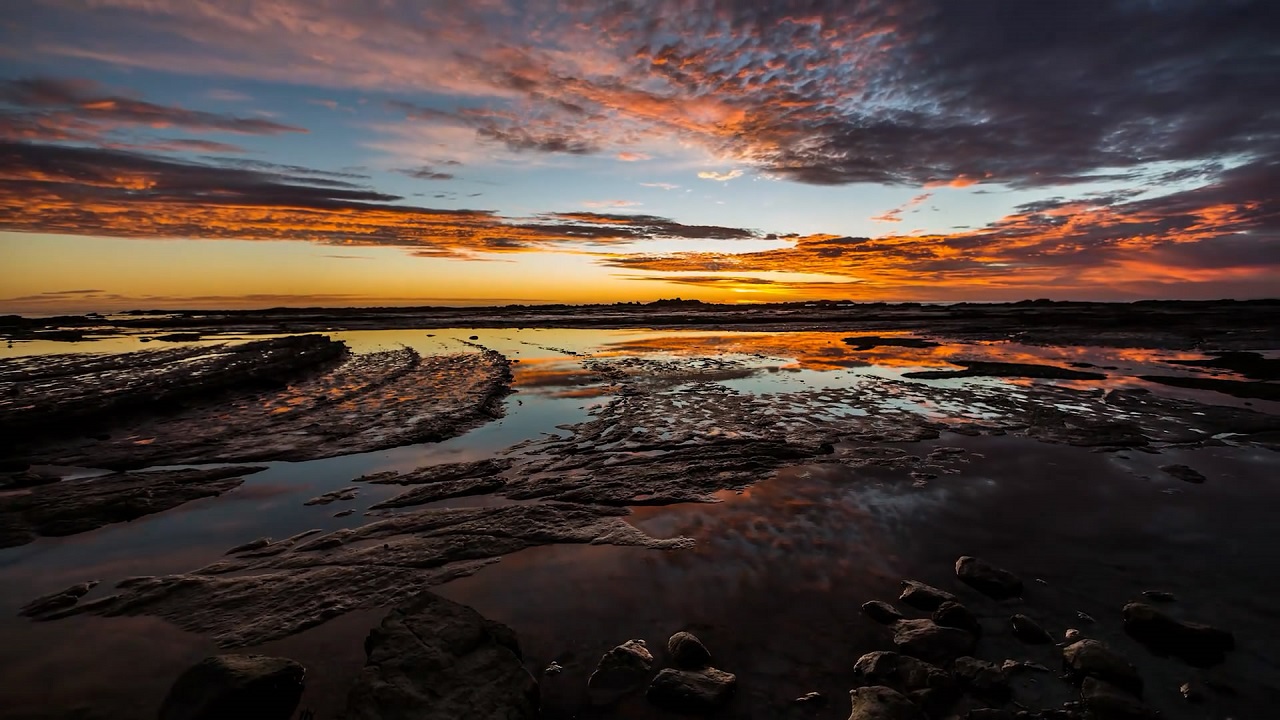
(227, 687)
(882, 703)
(1091, 658)
(692, 691)
(926, 640)
(925, 597)
(433, 659)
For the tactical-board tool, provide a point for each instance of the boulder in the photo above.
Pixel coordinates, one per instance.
(882, 612)
(1029, 631)
(902, 673)
(433, 659)
(1199, 645)
(1091, 658)
(931, 642)
(988, 579)
(980, 676)
(691, 691)
(687, 651)
(882, 703)
(924, 597)
(621, 671)
(1108, 702)
(229, 687)
(952, 614)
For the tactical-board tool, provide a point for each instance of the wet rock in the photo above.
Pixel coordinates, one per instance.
(225, 687)
(1085, 617)
(1197, 644)
(1191, 692)
(882, 612)
(882, 703)
(344, 513)
(57, 601)
(924, 597)
(1071, 635)
(554, 668)
(250, 546)
(347, 493)
(1090, 658)
(813, 700)
(869, 342)
(988, 368)
(1029, 631)
(691, 691)
(931, 642)
(687, 651)
(988, 579)
(1184, 473)
(1109, 702)
(980, 676)
(621, 671)
(1159, 596)
(951, 614)
(75, 506)
(433, 659)
(902, 673)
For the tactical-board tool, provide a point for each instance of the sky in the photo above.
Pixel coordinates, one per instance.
(258, 153)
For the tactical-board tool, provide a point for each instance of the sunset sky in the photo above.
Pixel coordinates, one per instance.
(253, 153)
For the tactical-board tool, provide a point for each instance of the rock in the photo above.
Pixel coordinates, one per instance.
(347, 493)
(1029, 631)
(621, 671)
(344, 513)
(811, 700)
(433, 659)
(687, 651)
(924, 597)
(226, 687)
(951, 614)
(250, 546)
(931, 642)
(1090, 658)
(881, 612)
(902, 673)
(691, 691)
(1159, 596)
(553, 669)
(1185, 473)
(1109, 702)
(882, 703)
(1197, 644)
(1012, 666)
(57, 601)
(1071, 635)
(982, 677)
(988, 579)
(1085, 617)
(1191, 692)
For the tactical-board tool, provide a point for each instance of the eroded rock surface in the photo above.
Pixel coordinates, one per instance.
(75, 506)
(433, 659)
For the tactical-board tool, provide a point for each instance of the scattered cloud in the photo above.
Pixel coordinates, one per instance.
(628, 156)
(719, 176)
(895, 215)
(661, 185)
(425, 172)
(610, 203)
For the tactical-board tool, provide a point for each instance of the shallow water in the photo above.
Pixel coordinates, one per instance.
(778, 571)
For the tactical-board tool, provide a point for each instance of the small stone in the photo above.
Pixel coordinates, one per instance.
(1071, 635)
(882, 703)
(1191, 692)
(1090, 658)
(344, 513)
(951, 614)
(1085, 617)
(233, 686)
(1029, 631)
(691, 691)
(811, 700)
(924, 597)
(988, 579)
(931, 642)
(881, 612)
(1197, 644)
(553, 669)
(621, 671)
(687, 651)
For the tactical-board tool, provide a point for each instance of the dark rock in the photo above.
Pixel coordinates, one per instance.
(687, 651)
(228, 687)
(951, 614)
(1185, 473)
(982, 677)
(882, 703)
(347, 493)
(813, 700)
(988, 368)
(249, 546)
(987, 578)
(1191, 692)
(1159, 596)
(1199, 645)
(924, 597)
(881, 612)
(57, 601)
(433, 659)
(1109, 702)
(868, 342)
(931, 642)
(1090, 658)
(1071, 635)
(621, 671)
(691, 691)
(1029, 631)
(902, 673)
(344, 513)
